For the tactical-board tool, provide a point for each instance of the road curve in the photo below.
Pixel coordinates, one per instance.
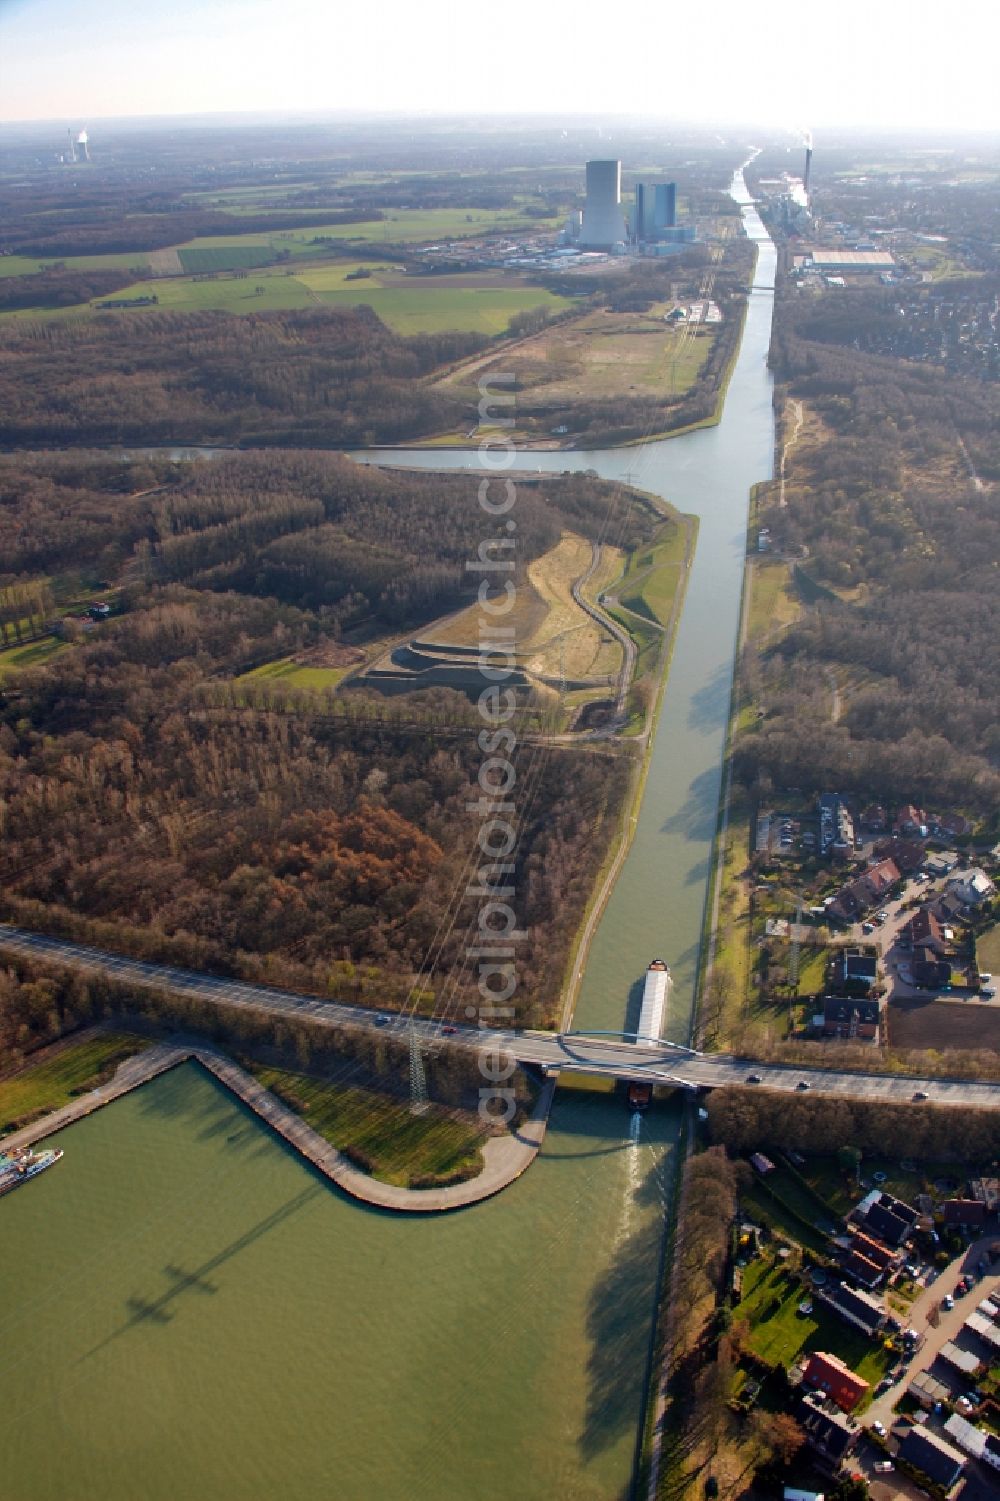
(656, 1063)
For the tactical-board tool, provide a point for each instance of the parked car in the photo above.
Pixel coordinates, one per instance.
(882, 1466)
(879, 1428)
(867, 927)
(947, 1301)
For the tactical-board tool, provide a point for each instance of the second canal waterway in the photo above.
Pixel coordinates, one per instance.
(189, 1309)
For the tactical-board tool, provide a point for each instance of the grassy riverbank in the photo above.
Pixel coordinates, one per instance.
(60, 1074)
(379, 1134)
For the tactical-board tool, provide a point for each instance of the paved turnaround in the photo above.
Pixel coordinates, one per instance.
(656, 1063)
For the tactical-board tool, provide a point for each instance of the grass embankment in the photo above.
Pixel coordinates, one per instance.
(379, 1134)
(295, 674)
(66, 1071)
(988, 950)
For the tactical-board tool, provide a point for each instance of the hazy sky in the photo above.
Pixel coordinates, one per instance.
(863, 62)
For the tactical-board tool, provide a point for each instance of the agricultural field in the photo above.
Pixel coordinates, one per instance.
(940, 1025)
(66, 1072)
(29, 654)
(475, 303)
(602, 355)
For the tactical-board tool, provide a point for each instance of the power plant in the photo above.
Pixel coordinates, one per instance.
(809, 157)
(603, 221)
(654, 218)
(79, 147)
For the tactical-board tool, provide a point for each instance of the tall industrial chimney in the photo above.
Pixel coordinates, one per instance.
(805, 175)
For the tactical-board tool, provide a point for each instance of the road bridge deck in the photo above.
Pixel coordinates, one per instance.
(619, 1058)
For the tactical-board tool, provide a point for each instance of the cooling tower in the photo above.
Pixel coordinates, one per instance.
(603, 221)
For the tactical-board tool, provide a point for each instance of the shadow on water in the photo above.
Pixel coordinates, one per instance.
(710, 702)
(620, 1306)
(211, 1115)
(159, 1310)
(698, 816)
(633, 1006)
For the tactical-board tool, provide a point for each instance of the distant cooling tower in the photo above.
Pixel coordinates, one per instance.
(603, 221)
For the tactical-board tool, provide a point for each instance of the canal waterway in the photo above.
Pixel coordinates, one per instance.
(187, 1310)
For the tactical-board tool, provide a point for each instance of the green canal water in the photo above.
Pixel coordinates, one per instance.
(187, 1311)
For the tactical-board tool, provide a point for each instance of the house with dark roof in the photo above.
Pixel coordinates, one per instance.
(926, 931)
(964, 1361)
(969, 1214)
(928, 971)
(875, 1251)
(885, 1218)
(865, 891)
(910, 820)
(828, 1374)
(873, 817)
(907, 854)
(830, 1433)
(932, 1456)
(853, 972)
(846, 1018)
(854, 1307)
(857, 1266)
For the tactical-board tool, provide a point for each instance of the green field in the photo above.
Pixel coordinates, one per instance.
(296, 674)
(988, 950)
(409, 305)
(29, 654)
(23, 265)
(395, 1144)
(71, 1071)
(201, 258)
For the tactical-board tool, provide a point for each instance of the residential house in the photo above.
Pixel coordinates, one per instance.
(949, 825)
(972, 888)
(874, 818)
(968, 1214)
(836, 826)
(866, 891)
(928, 971)
(932, 1456)
(940, 862)
(911, 820)
(986, 1330)
(928, 1390)
(885, 1217)
(975, 1441)
(987, 1191)
(857, 1265)
(907, 854)
(830, 1433)
(963, 1361)
(875, 1251)
(854, 1307)
(925, 931)
(853, 972)
(849, 1019)
(829, 1375)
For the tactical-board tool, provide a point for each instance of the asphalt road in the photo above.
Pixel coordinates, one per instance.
(654, 1063)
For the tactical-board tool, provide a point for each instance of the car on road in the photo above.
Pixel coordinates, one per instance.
(867, 927)
(882, 1466)
(987, 992)
(920, 1094)
(381, 1021)
(449, 1031)
(947, 1301)
(754, 1079)
(879, 1428)
(803, 1084)
(984, 977)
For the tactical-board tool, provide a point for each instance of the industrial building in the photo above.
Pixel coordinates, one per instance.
(603, 225)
